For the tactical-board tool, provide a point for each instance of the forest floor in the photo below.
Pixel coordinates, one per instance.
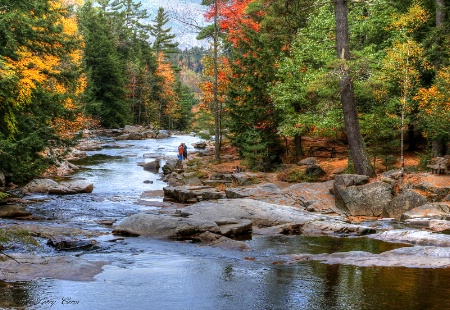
(332, 166)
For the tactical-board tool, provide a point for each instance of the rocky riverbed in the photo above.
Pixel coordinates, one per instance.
(228, 209)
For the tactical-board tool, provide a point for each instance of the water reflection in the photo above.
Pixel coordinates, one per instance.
(167, 275)
(319, 245)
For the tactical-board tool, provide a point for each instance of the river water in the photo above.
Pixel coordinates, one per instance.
(153, 274)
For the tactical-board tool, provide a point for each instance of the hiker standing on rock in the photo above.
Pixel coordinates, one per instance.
(180, 152)
(184, 150)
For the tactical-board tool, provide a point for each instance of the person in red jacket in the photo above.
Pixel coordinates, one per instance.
(180, 152)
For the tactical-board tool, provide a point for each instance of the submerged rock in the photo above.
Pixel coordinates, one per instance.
(71, 244)
(27, 267)
(12, 211)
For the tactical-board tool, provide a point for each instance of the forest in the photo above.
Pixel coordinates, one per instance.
(371, 74)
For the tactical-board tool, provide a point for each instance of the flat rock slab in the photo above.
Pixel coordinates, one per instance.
(411, 257)
(301, 195)
(416, 237)
(10, 211)
(232, 217)
(27, 267)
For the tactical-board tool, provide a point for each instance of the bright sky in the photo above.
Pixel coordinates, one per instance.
(182, 14)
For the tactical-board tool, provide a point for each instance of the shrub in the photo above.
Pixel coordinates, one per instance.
(296, 175)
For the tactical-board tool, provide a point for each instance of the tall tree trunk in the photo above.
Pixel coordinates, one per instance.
(298, 145)
(438, 145)
(358, 152)
(440, 12)
(216, 102)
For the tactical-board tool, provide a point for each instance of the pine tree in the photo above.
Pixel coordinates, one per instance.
(163, 38)
(106, 91)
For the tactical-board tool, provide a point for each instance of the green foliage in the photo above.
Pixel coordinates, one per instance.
(37, 76)
(424, 159)
(253, 149)
(163, 38)
(253, 61)
(380, 130)
(305, 91)
(203, 124)
(106, 92)
(186, 101)
(296, 175)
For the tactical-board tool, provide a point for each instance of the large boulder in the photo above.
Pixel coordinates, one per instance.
(149, 134)
(315, 228)
(435, 192)
(53, 187)
(308, 162)
(199, 145)
(135, 136)
(152, 166)
(405, 201)
(242, 179)
(132, 129)
(192, 193)
(362, 200)
(172, 165)
(73, 187)
(39, 186)
(411, 257)
(314, 196)
(264, 214)
(163, 134)
(160, 226)
(314, 171)
(347, 180)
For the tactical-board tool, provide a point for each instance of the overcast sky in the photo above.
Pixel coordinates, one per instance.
(182, 14)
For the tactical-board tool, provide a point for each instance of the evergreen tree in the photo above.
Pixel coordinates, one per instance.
(257, 36)
(186, 101)
(163, 38)
(105, 95)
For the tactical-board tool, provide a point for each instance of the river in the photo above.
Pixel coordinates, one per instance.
(144, 273)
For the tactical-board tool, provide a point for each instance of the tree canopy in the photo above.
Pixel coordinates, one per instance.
(371, 74)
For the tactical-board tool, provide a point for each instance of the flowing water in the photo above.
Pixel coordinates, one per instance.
(153, 274)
